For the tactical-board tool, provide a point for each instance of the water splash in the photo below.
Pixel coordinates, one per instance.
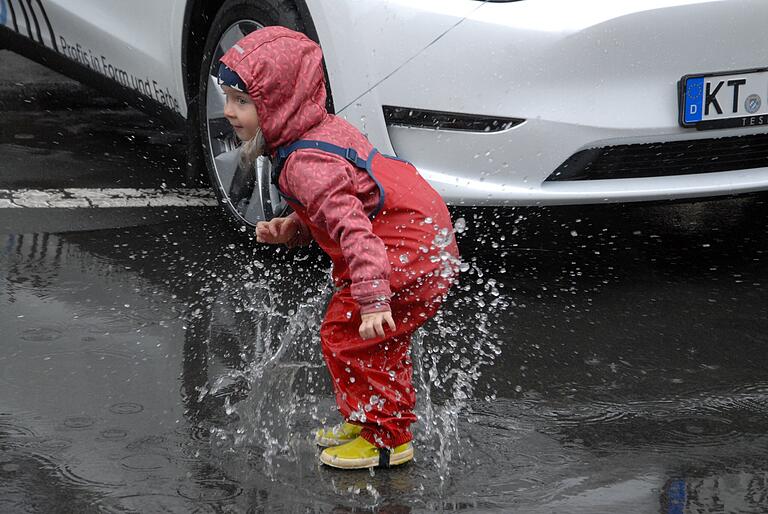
(283, 377)
(450, 355)
(289, 393)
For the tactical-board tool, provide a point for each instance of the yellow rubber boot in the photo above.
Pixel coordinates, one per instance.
(336, 435)
(360, 454)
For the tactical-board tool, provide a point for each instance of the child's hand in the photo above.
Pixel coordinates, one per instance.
(373, 324)
(276, 231)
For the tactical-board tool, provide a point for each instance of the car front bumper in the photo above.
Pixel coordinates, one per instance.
(582, 74)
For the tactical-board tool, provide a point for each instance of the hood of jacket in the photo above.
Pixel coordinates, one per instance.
(283, 71)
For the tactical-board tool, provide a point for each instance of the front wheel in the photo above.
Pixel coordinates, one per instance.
(247, 194)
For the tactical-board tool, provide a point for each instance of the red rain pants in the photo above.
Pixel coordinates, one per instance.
(373, 378)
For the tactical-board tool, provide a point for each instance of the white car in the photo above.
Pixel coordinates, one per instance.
(526, 102)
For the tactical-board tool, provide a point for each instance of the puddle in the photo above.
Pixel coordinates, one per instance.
(175, 368)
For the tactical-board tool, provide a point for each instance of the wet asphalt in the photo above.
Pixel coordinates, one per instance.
(593, 360)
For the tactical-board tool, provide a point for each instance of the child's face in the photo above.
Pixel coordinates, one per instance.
(241, 113)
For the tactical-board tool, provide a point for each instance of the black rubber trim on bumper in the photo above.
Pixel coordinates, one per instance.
(689, 157)
(439, 120)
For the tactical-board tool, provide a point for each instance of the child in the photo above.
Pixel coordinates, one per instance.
(386, 230)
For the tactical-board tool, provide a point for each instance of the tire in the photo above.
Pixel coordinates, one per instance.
(247, 195)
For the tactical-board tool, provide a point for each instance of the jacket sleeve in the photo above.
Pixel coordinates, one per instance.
(324, 184)
(303, 236)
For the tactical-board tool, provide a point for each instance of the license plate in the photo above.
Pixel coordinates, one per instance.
(721, 100)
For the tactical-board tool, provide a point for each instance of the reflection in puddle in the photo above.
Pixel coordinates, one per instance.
(704, 494)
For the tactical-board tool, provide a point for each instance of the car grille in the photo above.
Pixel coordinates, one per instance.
(664, 159)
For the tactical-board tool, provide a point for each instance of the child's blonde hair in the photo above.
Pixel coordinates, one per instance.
(252, 149)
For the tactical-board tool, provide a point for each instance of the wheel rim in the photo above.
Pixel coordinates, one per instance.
(259, 199)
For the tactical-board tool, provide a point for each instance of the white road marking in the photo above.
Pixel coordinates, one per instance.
(105, 198)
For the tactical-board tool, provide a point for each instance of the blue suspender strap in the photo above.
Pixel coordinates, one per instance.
(277, 168)
(347, 153)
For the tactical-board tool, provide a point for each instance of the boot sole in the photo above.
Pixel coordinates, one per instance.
(394, 460)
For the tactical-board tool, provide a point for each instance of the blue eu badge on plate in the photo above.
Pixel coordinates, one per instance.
(694, 99)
